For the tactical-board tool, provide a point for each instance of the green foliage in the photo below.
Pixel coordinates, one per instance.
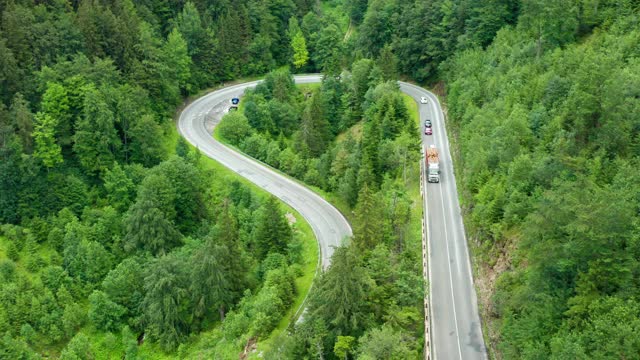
(369, 229)
(314, 129)
(46, 148)
(340, 298)
(23, 121)
(328, 50)
(177, 60)
(373, 159)
(210, 280)
(546, 181)
(124, 284)
(146, 142)
(119, 187)
(550, 23)
(300, 53)
(385, 343)
(87, 178)
(55, 103)
(79, 348)
(12, 348)
(344, 346)
(86, 261)
(96, 140)
(166, 293)
(148, 228)
(235, 127)
(272, 232)
(104, 314)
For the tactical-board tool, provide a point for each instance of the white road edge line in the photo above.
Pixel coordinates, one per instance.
(425, 182)
(453, 297)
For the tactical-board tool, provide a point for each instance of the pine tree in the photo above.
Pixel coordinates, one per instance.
(227, 233)
(300, 53)
(315, 130)
(340, 298)
(23, 121)
(55, 103)
(272, 231)
(96, 139)
(46, 149)
(369, 229)
(388, 64)
(177, 61)
(149, 229)
(165, 300)
(210, 281)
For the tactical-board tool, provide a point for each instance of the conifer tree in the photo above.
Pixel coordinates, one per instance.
(96, 140)
(147, 228)
(315, 129)
(23, 121)
(340, 299)
(272, 231)
(46, 148)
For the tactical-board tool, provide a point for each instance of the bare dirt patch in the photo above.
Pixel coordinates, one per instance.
(486, 279)
(290, 218)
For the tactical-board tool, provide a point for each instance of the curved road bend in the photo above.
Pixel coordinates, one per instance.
(456, 330)
(328, 224)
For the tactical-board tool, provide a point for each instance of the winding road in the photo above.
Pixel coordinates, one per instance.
(456, 331)
(328, 224)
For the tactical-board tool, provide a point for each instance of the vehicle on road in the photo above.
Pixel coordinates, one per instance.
(433, 165)
(428, 131)
(427, 123)
(424, 100)
(234, 104)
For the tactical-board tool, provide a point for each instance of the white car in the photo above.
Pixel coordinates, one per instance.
(423, 100)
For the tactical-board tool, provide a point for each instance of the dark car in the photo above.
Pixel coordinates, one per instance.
(427, 123)
(234, 104)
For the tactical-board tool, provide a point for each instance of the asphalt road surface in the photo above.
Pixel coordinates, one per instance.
(456, 331)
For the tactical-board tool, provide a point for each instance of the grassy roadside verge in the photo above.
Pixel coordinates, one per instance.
(414, 239)
(414, 234)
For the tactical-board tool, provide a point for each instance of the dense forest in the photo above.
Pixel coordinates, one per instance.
(543, 105)
(110, 230)
(548, 130)
(369, 302)
(543, 99)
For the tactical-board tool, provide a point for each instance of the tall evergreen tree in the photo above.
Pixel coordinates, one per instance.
(165, 301)
(55, 103)
(211, 283)
(340, 298)
(96, 140)
(177, 62)
(227, 234)
(147, 228)
(272, 232)
(47, 150)
(369, 229)
(23, 119)
(315, 130)
(300, 53)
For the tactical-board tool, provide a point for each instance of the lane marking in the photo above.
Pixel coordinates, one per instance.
(453, 297)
